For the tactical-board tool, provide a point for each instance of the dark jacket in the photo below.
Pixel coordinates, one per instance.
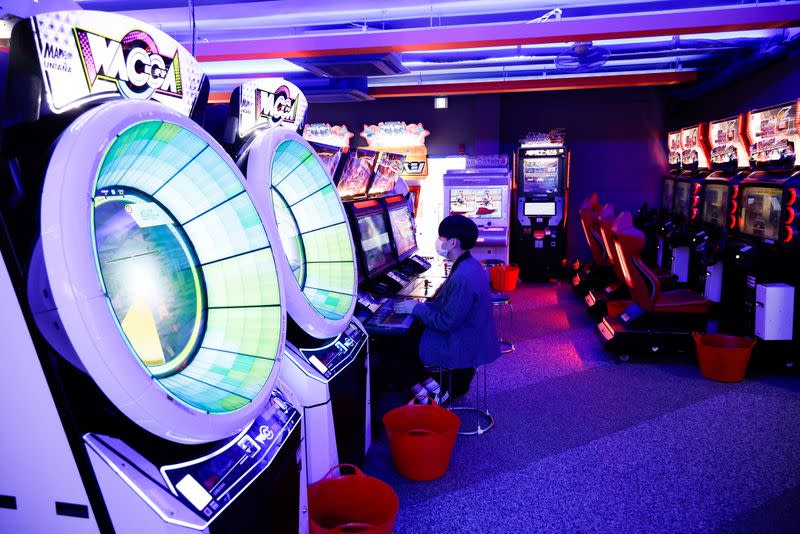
(459, 323)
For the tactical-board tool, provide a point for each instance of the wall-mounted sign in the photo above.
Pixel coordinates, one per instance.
(91, 56)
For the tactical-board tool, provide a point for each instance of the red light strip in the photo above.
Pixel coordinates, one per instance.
(791, 217)
(792, 196)
(365, 204)
(789, 234)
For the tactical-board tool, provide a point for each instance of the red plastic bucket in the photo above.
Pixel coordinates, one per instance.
(504, 277)
(350, 504)
(723, 358)
(421, 438)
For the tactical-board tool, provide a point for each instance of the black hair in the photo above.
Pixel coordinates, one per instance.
(461, 228)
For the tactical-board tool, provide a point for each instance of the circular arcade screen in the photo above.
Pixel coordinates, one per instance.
(186, 266)
(313, 229)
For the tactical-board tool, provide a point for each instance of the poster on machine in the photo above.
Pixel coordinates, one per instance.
(88, 56)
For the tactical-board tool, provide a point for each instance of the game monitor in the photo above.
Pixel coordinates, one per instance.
(477, 202)
(541, 176)
(403, 231)
(374, 242)
(761, 212)
(683, 199)
(668, 193)
(355, 178)
(387, 171)
(715, 204)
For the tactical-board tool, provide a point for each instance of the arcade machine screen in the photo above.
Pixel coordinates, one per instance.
(540, 176)
(761, 212)
(186, 266)
(477, 202)
(375, 242)
(356, 173)
(683, 199)
(668, 193)
(403, 230)
(715, 204)
(313, 229)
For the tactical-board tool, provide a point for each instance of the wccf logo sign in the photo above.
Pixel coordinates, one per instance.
(278, 106)
(132, 62)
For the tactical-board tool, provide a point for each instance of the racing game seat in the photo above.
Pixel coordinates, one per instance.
(589, 213)
(643, 283)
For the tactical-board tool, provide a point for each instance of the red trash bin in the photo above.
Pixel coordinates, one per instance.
(421, 438)
(723, 358)
(349, 504)
(504, 277)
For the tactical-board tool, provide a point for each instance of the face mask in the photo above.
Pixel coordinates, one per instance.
(440, 249)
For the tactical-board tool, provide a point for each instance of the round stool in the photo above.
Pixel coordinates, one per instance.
(501, 301)
(476, 419)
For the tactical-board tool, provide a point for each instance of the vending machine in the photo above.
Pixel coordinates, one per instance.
(542, 192)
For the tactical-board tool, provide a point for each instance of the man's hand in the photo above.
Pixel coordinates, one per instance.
(405, 306)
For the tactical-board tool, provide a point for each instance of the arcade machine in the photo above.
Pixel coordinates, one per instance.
(146, 309)
(729, 161)
(407, 140)
(542, 192)
(766, 253)
(482, 192)
(331, 144)
(326, 359)
(688, 199)
(668, 194)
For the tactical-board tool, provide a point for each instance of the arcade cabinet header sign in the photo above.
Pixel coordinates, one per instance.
(269, 103)
(728, 147)
(774, 135)
(401, 138)
(338, 136)
(89, 56)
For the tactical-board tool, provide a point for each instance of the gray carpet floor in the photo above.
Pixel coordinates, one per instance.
(583, 444)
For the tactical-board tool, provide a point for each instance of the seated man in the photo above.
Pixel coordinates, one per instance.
(459, 330)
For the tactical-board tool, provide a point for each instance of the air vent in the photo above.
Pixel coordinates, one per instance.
(331, 96)
(353, 66)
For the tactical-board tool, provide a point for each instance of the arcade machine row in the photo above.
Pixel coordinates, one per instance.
(141, 272)
(327, 359)
(542, 193)
(767, 245)
(482, 192)
(332, 143)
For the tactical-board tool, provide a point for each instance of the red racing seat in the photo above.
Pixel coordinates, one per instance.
(589, 212)
(606, 219)
(644, 285)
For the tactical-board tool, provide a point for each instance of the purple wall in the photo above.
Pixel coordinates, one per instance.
(614, 136)
(471, 121)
